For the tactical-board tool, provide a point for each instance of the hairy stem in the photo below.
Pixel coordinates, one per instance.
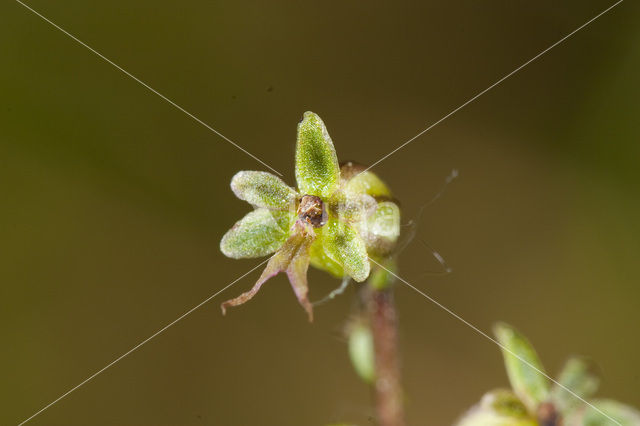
(384, 326)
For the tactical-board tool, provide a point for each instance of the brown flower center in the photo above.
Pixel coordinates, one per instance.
(311, 210)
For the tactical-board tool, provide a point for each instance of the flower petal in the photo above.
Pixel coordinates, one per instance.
(273, 268)
(297, 273)
(317, 170)
(624, 415)
(259, 233)
(292, 257)
(351, 206)
(343, 244)
(263, 189)
(321, 260)
(527, 382)
(575, 375)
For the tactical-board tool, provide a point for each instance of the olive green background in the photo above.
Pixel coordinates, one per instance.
(114, 202)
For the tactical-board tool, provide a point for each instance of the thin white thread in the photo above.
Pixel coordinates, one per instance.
(482, 333)
(91, 377)
(148, 87)
(493, 85)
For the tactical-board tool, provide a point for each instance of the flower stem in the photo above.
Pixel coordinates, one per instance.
(384, 326)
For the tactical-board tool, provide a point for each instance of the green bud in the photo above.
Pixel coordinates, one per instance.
(366, 182)
(498, 408)
(381, 278)
(382, 229)
(361, 351)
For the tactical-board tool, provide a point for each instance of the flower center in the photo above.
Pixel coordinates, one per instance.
(312, 211)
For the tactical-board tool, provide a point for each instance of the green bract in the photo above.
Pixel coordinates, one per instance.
(336, 219)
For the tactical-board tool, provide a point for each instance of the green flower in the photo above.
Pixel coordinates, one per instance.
(335, 220)
(535, 401)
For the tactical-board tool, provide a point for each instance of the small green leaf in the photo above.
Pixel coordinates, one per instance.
(523, 367)
(498, 408)
(263, 189)
(343, 245)
(623, 414)
(576, 376)
(317, 170)
(361, 351)
(259, 233)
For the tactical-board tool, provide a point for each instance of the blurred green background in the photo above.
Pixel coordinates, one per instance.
(114, 202)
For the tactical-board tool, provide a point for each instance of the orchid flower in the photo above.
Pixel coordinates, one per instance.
(534, 400)
(336, 219)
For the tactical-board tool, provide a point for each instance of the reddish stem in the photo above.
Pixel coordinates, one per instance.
(384, 326)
